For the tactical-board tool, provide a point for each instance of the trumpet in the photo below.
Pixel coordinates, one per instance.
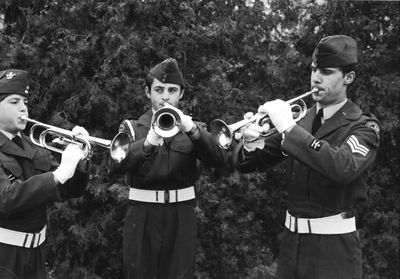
(40, 134)
(166, 121)
(224, 133)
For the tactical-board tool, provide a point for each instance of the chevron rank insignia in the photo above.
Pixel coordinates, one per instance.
(356, 146)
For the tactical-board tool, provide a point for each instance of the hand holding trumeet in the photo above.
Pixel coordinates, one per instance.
(280, 114)
(186, 121)
(80, 131)
(252, 134)
(153, 138)
(69, 161)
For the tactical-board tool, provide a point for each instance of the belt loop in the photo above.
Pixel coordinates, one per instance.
(296, 229)
(156, 195)
(309, 226)
(26, 238)
(38, 241)
(290, 223)
(176, 196)
(166, 196)
(33, 241)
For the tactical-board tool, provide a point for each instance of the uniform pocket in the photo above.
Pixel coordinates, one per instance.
(41, 162)
(12, 168)
(182, 144)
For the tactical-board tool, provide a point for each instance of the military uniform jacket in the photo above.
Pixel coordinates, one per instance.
(327, 171)
(172, 165)
(27, 184)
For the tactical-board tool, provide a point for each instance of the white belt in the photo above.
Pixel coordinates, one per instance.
(22, 239)
(334, 224)
(162, 196)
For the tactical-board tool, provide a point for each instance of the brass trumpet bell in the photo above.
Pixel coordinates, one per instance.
(166, 121)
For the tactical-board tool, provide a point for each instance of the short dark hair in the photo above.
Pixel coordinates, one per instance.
(348, 68)
(149, 81)
(3, 96)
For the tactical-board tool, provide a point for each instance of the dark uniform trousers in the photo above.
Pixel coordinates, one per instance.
(27, 186)
(163, 235)
(160, 239)
(311, 256)
(22, 263)
(327, 176)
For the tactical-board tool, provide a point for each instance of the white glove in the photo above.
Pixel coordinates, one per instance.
(153, 138)
(83, 133)
(80, 131)
(69, 160)
(186, 121)
(280, 114)
(252, 134)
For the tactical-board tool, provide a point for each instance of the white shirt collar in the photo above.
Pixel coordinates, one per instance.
(10, 135)
(329, 111)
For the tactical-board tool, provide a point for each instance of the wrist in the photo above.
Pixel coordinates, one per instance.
(286, 126)
(290, 128)
(60, 175)
(194, 132)
(187, 124)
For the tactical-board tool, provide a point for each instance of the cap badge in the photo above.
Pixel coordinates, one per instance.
(10, 75)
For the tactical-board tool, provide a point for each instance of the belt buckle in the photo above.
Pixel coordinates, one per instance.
(166, 196)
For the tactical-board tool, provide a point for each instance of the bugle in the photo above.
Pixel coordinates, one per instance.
(40, 133)
(224, 133)
(166, 121)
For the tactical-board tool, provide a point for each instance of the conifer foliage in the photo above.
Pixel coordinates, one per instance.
(87, 61)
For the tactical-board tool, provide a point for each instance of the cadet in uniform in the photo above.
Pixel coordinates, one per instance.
(30, 179)
(160, 233)
(328, 154)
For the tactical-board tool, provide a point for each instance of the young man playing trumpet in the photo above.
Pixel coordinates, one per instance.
(160, 232)
(30, 179)
(328, 153)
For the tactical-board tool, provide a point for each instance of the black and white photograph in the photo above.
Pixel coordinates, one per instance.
(203, 139)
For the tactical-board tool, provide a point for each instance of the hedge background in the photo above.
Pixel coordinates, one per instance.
(88, 59)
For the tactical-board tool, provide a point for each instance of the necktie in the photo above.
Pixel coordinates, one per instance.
(18, 141)
(317, 121)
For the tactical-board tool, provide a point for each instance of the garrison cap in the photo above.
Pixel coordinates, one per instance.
(335, 51)
(168, 72)
(14, 81)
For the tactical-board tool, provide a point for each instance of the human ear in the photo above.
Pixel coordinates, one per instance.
(181, 94)
(349, 77)
(147, 92)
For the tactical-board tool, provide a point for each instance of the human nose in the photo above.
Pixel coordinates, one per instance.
(165, 95)
(23, 107)
(315, 77)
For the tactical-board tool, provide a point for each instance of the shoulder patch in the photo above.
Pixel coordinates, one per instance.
(316, 144)
(374, 126)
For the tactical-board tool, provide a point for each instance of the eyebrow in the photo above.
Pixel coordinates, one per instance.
(19, 98)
